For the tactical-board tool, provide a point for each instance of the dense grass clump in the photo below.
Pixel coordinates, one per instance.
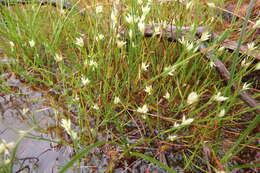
(134, 92)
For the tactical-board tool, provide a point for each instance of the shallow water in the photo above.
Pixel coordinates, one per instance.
(22, 112)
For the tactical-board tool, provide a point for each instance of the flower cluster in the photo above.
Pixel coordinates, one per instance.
(66, 124)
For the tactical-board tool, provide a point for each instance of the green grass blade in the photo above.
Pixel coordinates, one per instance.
(154, 161)
(80, 155)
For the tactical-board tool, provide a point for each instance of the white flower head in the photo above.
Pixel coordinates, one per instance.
(257, 66)
(58, 57)
(85, 80)
(251, 46)
(205, 36)
(186, 121)
(167, 95)
(5, 147)
(66, 124)
(171, 137)
(211, 4)
(144, 66)
(146, 9)
(187, 44)
(117, 100)
(176, 125)
(221, 113)
(25, 111)
(131, 18)
(95, 106)
(245, 62)
(32, 43)
(170, 70)
(221, 48)
(148, 89)
(192, 98)
(11, 45)
(189, 5)
(144, 117)
(120, 43)
(79, 41)
(143, 109)
(212, 64)
(93, 64)
(99, 9)
(139, 2)
(99, 37)
(219, 98)
(141, 26)
(246, 86)
(257, 24)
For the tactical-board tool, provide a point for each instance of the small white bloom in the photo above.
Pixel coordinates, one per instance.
(75, 98)
(144, 117)
(5, 147)
(140, 1)
(257, 66)
(171, 137)
(145, 9)
(144, 66)
(58, 57)
(143, 109)
(245, 62)
(66, 124)
(131, 19)
(169, 70)
(211, 4)
(95, 106)
(257, 24)
(120, 43)
(79, 41)
(189, 5)
(25, 111)
(221, 48)
(205, 36)
(99, 37)
(85, 80)
(246, 86)
(187, 44)
(117, 100)
(221, 113)
(141, 27)
(176, 125)
(218, 97)
(212, 64)
(31, 43)
(251, 46)
(167, 95)
(148, 89)
(186, 121)
(93, 64)
(192, 98)
(11, 44)
(99, 9)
